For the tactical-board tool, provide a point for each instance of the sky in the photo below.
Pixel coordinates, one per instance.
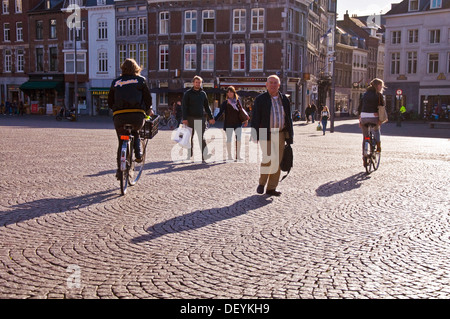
(363, 7)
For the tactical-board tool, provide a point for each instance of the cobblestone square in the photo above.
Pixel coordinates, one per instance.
(192, 230)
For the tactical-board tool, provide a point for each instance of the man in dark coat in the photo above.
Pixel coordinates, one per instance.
(272, 127)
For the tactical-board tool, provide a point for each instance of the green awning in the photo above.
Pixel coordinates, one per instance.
(42, 85)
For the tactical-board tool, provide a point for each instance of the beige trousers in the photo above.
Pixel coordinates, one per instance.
(272, 153)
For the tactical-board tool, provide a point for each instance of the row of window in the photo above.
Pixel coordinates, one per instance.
(414, 5)
(412, 63)
(434, 36)
(5, 6)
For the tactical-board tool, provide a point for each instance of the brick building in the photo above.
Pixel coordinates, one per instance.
(14, 48)
(236, 43)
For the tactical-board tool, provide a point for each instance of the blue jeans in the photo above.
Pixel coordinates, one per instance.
(324, 125)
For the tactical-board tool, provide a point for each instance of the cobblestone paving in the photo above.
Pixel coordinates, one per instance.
(190, 230)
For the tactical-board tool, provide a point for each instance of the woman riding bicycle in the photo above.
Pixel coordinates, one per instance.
(130, 100)
(368, 110)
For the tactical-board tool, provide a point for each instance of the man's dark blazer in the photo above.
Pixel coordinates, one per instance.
(261, 116)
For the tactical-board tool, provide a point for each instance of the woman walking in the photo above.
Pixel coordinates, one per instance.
(324, 118)
(232, 122)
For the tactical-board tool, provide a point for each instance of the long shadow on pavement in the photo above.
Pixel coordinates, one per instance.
(47, 206)
(202, 218)
(342, 186)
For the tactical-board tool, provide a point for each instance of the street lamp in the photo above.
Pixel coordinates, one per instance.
(333, 80)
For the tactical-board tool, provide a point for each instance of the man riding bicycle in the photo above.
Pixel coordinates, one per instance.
(130, 100)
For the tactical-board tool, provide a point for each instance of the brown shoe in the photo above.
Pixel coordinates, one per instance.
(273, 192)
(260, 189)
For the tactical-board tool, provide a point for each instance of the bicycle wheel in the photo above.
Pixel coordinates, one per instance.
(137, 168)
(172, 124)
(376, 160)
(125, 172)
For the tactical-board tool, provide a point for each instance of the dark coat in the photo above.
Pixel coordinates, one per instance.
(261, 116)
(231, 116)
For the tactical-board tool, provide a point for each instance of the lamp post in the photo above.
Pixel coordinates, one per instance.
(75, 85)
(333, 79)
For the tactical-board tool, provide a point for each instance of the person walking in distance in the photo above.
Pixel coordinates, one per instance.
(130, 100)
(232, 123)
(272, 127)
(324, 115)
(195, 104)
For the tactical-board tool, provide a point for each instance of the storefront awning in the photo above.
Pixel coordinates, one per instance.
(42, 85)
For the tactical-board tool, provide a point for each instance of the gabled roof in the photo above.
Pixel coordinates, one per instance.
(55, 5)
(93, 3)
(424, 6)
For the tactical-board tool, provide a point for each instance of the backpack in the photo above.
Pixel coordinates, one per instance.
(287, 160)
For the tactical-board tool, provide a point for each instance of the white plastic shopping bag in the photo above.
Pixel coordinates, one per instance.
(182, 135)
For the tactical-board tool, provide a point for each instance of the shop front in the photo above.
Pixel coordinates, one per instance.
(100, 101)
(44, 96)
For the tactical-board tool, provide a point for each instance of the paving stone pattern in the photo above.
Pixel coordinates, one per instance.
(190, 230)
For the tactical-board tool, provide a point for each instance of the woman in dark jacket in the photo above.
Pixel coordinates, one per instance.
(232, 122)
(130, 100)
(368, 110)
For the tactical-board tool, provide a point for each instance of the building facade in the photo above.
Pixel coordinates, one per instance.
(236, 43)
(14, 48)
(102, 53)
(418, 57)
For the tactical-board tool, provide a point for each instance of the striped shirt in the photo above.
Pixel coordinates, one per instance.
(277, 113)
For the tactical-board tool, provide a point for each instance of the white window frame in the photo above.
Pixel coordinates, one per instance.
(238, 57)
(433, 65)
(411, 60)
(122, 27)
(102, 33)
(258, 20)
(256, 57)
(190, 21)
(164, 22)
(8, 61)
(413, 5)
(190, 56)
(448, 62)
(142, 26)
(435, 4)
(395, 63)
(122, 53)
(208, 53)
(239, 20)
(132, 26)
(163, 57)
(396, 37)
(20, 63)
(132, 51)
(289, 57)
(19, 31)
(19, 6)
(102, 57)
(53, 29)
(208, 15)
(413, 36)
(5, 6)
(6, 32)
(143, 55)
(434, 36)
(69, 58)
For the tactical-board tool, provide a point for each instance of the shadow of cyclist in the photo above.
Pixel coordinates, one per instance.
(46, 206)
(345, 185)
(202, 218)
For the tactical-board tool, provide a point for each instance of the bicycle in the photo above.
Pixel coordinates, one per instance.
(169, 121)
(371, 157)
(130, 169)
